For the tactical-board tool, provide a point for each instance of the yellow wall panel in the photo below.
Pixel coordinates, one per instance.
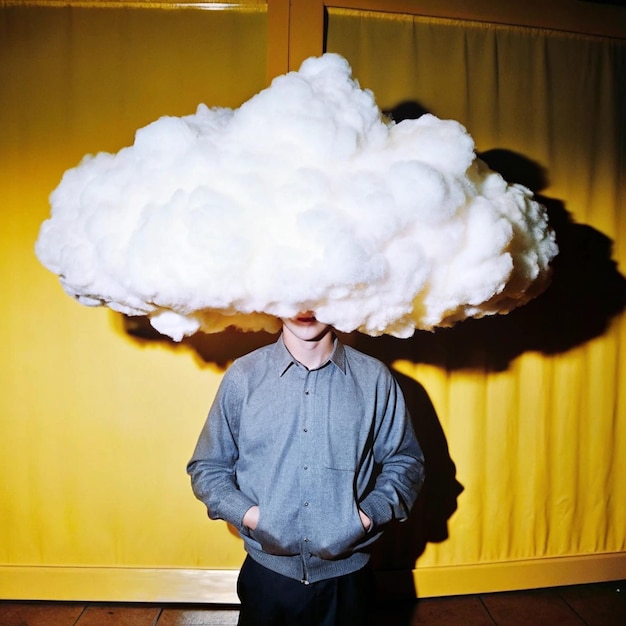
(96, 426)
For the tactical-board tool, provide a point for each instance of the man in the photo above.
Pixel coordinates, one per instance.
(308, 451)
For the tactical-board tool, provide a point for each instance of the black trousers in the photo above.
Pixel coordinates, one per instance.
(270, 599)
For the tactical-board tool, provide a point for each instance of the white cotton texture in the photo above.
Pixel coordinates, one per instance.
(304, 198)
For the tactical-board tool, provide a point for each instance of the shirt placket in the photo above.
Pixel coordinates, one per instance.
(307, 450)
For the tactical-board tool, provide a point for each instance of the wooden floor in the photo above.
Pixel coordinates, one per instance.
(594, 605)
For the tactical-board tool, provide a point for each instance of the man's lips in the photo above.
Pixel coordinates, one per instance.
(306, 320)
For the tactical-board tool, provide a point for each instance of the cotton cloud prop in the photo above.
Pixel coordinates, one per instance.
(304, 198)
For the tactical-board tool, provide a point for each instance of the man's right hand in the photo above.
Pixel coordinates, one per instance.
(251, 517)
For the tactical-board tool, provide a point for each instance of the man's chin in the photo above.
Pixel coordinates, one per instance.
(321, 334)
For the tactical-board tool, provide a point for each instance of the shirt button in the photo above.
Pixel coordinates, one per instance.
(306, 504)
(306, 467)
(306, 430)
(306, 393)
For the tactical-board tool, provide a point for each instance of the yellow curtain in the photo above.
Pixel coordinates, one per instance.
(532, 405)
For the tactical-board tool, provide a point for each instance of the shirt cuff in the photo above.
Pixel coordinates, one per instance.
(234, 507)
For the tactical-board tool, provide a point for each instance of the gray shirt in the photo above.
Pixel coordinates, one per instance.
(310, 448)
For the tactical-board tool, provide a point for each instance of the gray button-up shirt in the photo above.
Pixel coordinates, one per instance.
(310, 448)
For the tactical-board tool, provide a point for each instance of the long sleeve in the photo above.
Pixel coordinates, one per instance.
(401, 461)
(212, 467)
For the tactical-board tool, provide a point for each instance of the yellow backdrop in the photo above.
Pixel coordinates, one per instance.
(97, 427)
(526, 435)
(532, 405)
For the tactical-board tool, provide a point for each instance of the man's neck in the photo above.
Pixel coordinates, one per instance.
(313, 353)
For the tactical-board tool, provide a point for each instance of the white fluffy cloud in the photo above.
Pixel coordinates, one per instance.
(304, 198)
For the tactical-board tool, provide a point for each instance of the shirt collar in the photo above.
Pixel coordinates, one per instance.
(284, 360)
